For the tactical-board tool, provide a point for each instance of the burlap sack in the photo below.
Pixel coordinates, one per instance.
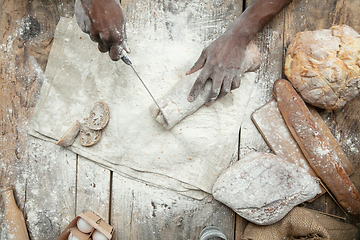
(302, 223)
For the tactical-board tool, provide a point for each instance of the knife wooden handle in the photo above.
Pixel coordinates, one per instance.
(322, 156)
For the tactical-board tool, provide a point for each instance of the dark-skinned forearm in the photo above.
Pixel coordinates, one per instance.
(255, 17)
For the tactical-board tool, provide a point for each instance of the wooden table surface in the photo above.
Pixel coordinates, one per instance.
(53, 185)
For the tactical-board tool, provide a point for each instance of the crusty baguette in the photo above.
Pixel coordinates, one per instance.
(348, 167)
(321, 155)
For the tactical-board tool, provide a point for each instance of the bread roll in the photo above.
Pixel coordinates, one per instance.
(321, 155)
(92, 126)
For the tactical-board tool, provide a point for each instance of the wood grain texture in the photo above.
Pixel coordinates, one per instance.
(207, 18)
(140, 211)
(92, 189)
(240, 225)
(27, 30)
(45, 175)
(344, 123)
(50, 189)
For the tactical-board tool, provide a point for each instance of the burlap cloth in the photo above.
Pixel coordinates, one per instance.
(302, 223)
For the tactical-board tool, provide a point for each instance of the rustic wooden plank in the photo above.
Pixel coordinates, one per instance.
(240, 225)
(50, 188)
(311, 15)
(344, 123)
(140, 211)
(209, 18)
(27, 31)
(93, 188)
(261, 92)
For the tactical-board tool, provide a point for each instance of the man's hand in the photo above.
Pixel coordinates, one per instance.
(223, 64)
(104, 21)
(223, 61)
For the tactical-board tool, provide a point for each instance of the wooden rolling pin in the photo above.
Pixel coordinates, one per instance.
(16, 227)
(319, 152)
(174, 104)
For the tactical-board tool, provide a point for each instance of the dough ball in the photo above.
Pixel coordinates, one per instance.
(324, 66)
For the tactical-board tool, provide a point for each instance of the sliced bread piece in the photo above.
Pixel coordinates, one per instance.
(69, 137)
(88, 136)
(99, 116)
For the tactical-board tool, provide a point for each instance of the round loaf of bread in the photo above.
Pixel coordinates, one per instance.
(324, 66)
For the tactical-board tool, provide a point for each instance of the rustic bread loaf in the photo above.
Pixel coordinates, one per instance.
(69, 137)
(320, 153)
(263, 187)
(324, 66)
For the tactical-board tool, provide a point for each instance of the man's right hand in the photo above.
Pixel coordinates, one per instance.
(104, 21)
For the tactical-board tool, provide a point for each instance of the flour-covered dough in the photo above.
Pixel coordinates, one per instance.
(174, 104)
(324, 66)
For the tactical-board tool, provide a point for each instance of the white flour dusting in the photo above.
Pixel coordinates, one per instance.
(190, 156)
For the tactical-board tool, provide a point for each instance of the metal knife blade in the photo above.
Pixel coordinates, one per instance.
(127, 61)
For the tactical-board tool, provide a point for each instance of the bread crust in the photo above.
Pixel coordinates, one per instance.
(321, 155)
(263, 187)
(69, 137)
